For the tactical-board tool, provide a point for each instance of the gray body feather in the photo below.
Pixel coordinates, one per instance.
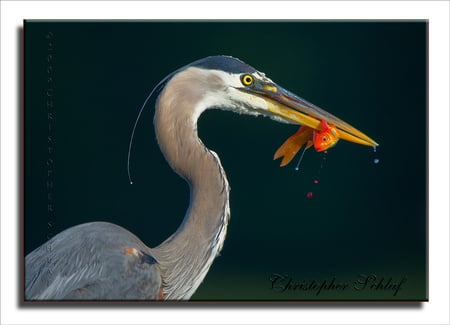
(90, 262)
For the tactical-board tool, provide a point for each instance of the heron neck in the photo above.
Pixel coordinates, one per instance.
(186, 256)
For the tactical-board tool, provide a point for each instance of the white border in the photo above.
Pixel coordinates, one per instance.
(433, 312)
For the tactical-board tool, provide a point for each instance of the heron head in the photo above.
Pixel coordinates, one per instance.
(231, 84)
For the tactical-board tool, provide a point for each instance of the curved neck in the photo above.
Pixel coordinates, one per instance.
(186, 256)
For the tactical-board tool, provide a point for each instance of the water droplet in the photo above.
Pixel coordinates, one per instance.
(376, 161)
(316, 181)
(309, 195)
(300, 159)
(374, 148)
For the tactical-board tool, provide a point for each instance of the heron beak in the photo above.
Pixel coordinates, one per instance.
(290, 107)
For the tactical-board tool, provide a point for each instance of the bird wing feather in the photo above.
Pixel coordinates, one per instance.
(93, 261)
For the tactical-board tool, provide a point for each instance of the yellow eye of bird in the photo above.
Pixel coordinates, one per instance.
(247, 80)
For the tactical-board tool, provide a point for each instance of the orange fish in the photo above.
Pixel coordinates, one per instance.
(322, 140)
(326, 138)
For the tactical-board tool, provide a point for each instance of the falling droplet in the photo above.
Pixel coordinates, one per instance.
(376, 161)
(309, 195)
(300, 159)
(374, 148)
(316, 181)
(131, 183)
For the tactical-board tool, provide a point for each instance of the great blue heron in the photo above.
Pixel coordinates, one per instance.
(103, 261)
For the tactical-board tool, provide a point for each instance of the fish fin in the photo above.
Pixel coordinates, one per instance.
(292, 145)
(287, 150)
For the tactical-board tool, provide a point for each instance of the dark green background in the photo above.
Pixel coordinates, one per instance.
(364, 218)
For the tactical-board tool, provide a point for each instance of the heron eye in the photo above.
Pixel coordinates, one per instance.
(247, 80)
